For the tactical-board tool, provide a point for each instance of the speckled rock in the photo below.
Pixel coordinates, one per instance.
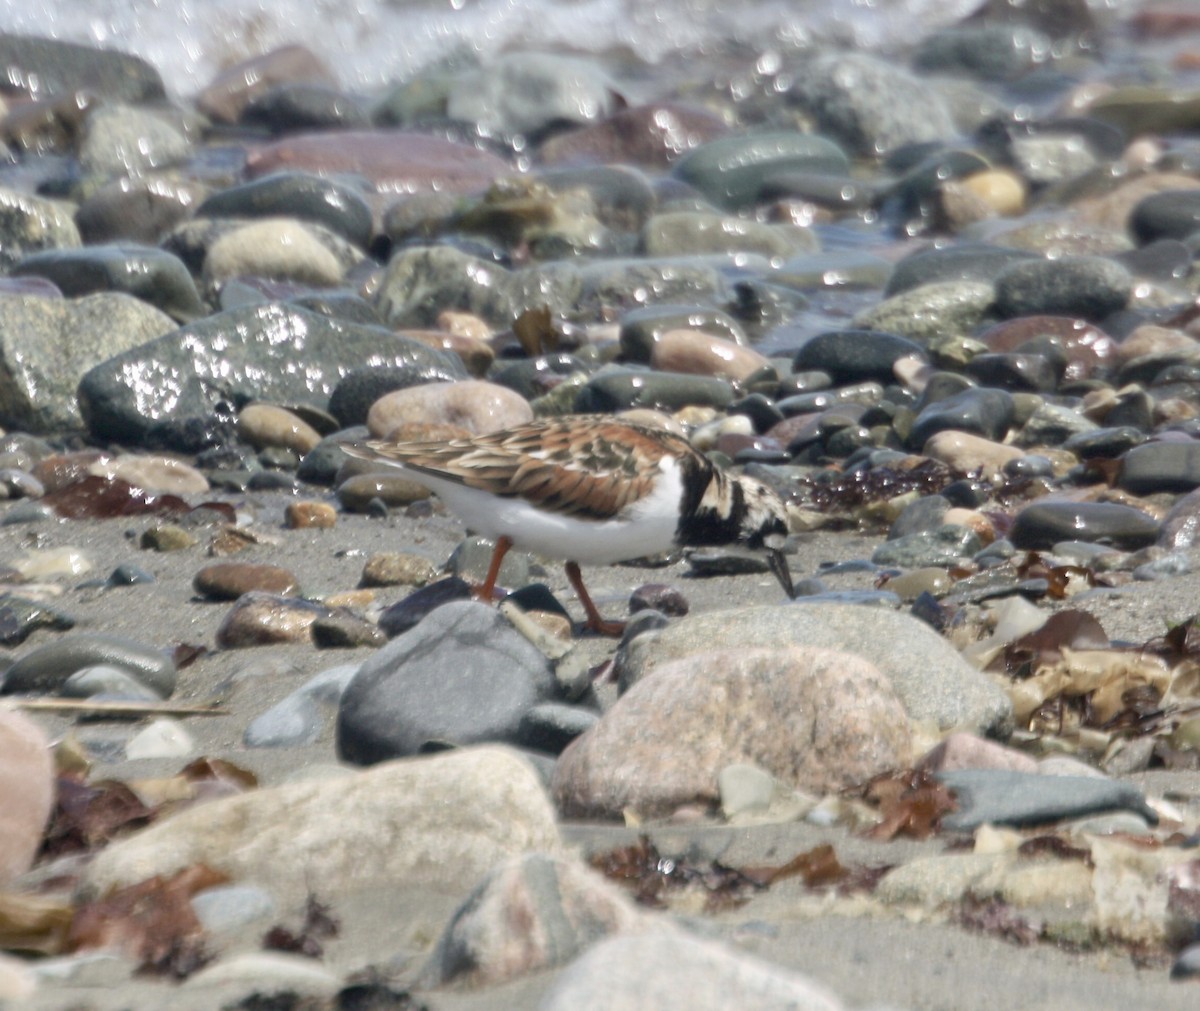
(70, 337)
(26, 791)
(817, 719)
(274, 352)
(476, 405)
(432, 822)
(932, 680)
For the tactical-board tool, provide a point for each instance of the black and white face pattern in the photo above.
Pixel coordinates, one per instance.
(719, 508)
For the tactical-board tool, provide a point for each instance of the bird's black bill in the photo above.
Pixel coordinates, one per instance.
(777, 563)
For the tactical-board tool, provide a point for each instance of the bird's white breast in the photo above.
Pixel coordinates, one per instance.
(646, 527)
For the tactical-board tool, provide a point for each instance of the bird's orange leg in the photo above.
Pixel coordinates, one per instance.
(594, 621)
(484, 590)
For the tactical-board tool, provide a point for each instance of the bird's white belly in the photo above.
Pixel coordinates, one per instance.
(647, 528)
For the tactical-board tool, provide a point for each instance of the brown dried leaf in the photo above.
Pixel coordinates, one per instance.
(87, 816)
(32, 923)
(152, 922)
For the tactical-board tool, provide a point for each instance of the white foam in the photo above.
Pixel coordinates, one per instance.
(371, 42)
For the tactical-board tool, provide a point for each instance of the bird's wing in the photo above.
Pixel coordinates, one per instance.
(586, 468)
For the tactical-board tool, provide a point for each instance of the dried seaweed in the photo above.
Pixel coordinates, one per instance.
(651, 876)
(992, 916)
(847, 491)
(319, 925)
(152, 921)
(86, 816)
(911, 803)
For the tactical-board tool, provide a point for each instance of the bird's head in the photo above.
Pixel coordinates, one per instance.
(765, 525)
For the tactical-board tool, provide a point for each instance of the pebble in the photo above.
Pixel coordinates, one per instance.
(259, 618)
(427, 823)
(163, 738)
(1043, 524)
(309, 515)
(657, 969)
(291, 723)
(45, 668)
(817, 719)
(398, 568)
(530, 914)
(229, 580)
(26, 791)
(1008, 797)
(932, 680)
(461, 676)
(479, 407)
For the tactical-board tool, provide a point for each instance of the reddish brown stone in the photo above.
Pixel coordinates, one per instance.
(1087, 347)
(233, 89)
(650, 135)
(229, 580)
(392, 160)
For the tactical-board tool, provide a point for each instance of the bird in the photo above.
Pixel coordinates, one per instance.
(589, 489)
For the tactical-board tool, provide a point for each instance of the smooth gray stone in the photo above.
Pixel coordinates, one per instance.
(982, 412)
(46, 668)
(551, 726)
(836, 268)
(21, 616)
(928, 547)
(228, 907)
(851, 356)
(152, 275)
(530, 377)
(292, 722)
(870, 105)
(274, 352)
(990, 52)
(1001, 797)
(461, 676)
(329, 684)
(965, 261)
(1182, 524)
(935, 684)
(731, 171)
(642, 328)
(1172, 214)
(1161, 466)
(1011, 371)
(1043, 524)
(62, 68)
(126, 140)
(301, 195)
(924, 514)
(670, 391)
(105, 680)
(1090, 287)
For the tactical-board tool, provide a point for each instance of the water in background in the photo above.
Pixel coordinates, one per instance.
(370, 42)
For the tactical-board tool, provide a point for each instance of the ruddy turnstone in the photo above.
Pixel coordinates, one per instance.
(590, 489)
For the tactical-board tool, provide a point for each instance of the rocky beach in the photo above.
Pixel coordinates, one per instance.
(928, 276)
